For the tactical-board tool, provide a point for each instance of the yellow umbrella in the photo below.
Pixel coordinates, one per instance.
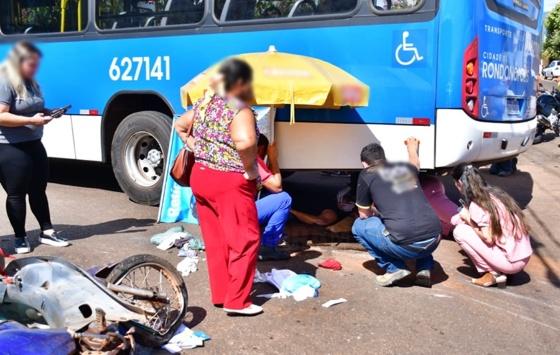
(289, 79)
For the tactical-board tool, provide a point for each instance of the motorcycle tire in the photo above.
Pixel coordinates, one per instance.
(145, 335)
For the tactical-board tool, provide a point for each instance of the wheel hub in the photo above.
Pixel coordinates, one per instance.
(154, 157)
(144, 159)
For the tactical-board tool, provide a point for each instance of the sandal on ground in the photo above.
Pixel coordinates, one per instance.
(491, 279)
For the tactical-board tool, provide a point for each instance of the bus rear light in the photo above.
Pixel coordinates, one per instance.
(469, 87)
(470, 68)
(471, 105)
(470, 80)
(488, 135)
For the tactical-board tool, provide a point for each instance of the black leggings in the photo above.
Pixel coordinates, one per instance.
(24, 170)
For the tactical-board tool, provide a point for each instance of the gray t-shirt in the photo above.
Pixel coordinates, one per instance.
(27, 107)
(395, 192)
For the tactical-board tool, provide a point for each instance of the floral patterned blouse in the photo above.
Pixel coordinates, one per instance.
(213, 145)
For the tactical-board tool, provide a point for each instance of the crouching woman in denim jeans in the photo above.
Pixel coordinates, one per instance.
(396, 220)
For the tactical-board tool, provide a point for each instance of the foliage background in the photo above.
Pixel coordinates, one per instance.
(552, 28)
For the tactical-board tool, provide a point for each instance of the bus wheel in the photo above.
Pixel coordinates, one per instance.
(138, 155)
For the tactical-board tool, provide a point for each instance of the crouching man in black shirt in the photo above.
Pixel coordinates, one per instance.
(396, 220)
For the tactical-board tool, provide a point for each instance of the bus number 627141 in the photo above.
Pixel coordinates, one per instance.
(140, 68)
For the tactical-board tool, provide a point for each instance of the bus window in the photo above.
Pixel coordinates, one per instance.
(42, 16)
(395, 5)
(116, 14)
(243, 10)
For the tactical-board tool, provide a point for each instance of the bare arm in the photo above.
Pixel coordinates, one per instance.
(244, 136)
(326, 218)
(484, 233)
(183, 126)
(8, 119)
(412, 146)
(273, 183)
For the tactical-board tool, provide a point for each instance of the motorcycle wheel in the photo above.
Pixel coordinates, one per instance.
(156, 274)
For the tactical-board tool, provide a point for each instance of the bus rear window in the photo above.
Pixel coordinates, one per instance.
(525, 12)
(42, 16)
(121, 14)
(247, 10)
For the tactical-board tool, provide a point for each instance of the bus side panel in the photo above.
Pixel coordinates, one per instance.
(88, 73)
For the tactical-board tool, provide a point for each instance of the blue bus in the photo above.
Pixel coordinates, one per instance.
(458, 74)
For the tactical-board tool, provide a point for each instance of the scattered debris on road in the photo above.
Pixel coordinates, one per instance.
(290, 284)
(331, 264)
(331, 303)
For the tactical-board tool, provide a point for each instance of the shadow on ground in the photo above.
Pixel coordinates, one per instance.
(438, 274)
(519, 186)
(75, 232)
(83, 174)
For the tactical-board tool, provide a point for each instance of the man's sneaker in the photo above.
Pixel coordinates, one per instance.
(22, 245)
(391, 277)
(272, 254)
(55, 240)
(424, 278)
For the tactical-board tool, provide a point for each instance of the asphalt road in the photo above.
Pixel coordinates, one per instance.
(549, 84)
(453, 317)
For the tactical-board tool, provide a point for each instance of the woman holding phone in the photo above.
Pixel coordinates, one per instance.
(23, 160)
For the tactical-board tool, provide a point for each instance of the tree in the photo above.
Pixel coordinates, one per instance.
(552, 28)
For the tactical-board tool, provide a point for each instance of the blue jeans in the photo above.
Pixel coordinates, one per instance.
(372, 235)
(273, 211)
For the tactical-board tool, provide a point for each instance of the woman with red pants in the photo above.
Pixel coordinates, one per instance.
(224, 182)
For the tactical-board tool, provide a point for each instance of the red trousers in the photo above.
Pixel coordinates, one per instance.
(228, 219)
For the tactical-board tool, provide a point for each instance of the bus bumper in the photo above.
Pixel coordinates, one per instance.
(461, 139)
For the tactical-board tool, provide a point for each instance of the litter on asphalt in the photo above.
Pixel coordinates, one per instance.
(289, 284)
(331, 303)
(185, 339)
(331, 264)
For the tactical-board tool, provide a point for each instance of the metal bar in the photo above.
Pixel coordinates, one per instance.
(63, 5)
(148, 294)
(79, 15)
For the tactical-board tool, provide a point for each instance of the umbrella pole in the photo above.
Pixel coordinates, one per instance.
(272, 124)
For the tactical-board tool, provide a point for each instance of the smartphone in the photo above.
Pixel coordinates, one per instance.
(57, 113)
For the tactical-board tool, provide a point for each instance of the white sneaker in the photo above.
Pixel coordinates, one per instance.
(252, 310)
(55, 240)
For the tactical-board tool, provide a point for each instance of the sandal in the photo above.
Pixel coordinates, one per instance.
(491, 279)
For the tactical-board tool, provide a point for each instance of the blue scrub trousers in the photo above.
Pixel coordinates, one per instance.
(273, 211)
(372, 235)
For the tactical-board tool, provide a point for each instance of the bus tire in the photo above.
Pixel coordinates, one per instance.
(138, 155)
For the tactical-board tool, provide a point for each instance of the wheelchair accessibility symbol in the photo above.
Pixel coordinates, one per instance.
(407, 53)
(485, 110)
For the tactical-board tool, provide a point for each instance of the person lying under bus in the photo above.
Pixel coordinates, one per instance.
(273, 208)
(490, 228)
(396, 220)
(335, 221)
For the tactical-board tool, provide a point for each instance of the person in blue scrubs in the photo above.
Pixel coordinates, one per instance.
(274, 205)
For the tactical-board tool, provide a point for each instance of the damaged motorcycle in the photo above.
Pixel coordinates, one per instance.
(139, 300)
